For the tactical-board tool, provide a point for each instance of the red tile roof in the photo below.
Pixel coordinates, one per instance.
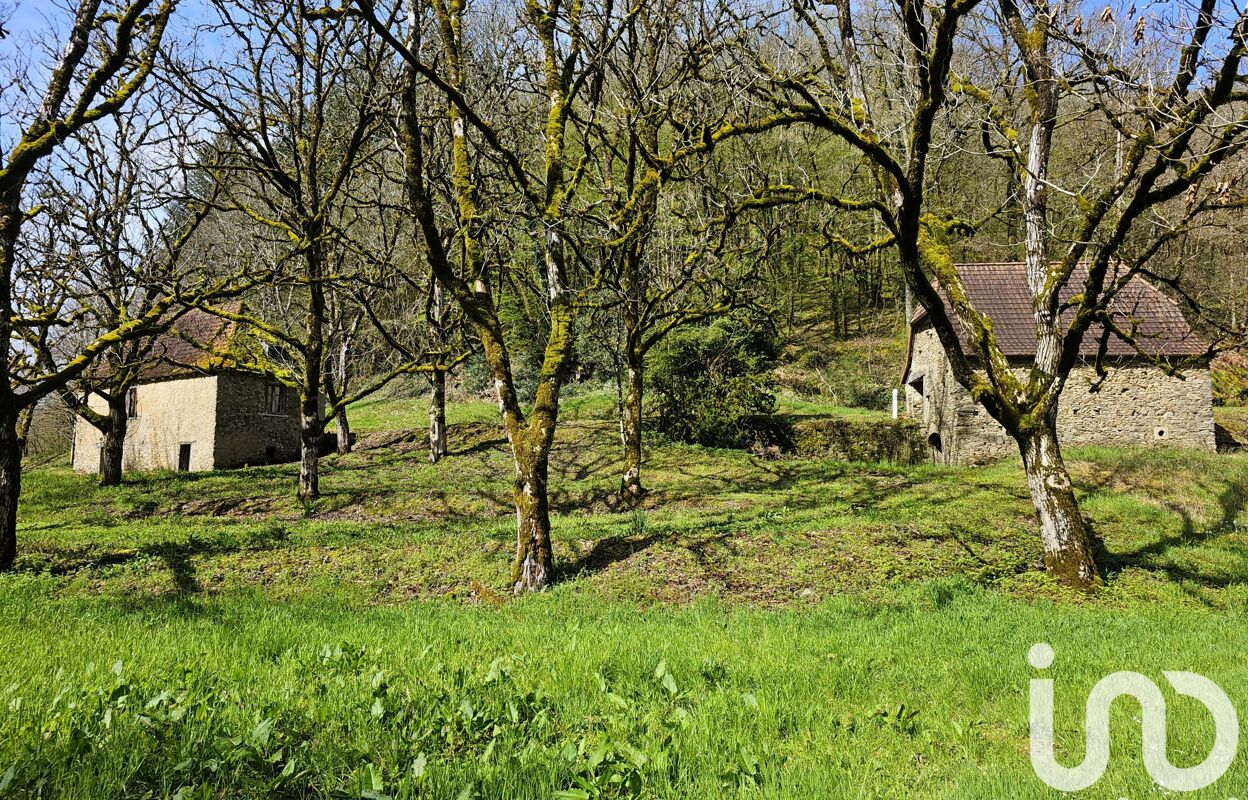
(194, 344)
(1000, 292)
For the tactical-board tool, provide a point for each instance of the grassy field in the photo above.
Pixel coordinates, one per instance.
(793, 628)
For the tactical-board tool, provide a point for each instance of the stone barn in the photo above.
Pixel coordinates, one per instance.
(190, 412)
(1137, 405)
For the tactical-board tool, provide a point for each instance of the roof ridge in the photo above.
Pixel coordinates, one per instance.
(995, 289)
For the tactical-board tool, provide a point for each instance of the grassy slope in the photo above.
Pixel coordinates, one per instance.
(804, 610)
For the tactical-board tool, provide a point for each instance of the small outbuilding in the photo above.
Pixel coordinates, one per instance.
(1138, 404)
(191, 411)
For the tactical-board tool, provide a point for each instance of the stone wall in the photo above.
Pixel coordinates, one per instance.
(934, 405)
(871, 440)
(223, 418)
(169, 414)
(1137, 405)
(246, 433)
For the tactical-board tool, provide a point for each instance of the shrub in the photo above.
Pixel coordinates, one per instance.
(714, 382)
(1229, 373)
(859, 372)
(863, 372)
(813, 359)
(896, 441)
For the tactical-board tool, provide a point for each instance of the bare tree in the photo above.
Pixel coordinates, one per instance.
(547, 64)
(1175, 129)
(385, 322)
(661, 265)
(107, 56)
(122, 232)
(296, 112)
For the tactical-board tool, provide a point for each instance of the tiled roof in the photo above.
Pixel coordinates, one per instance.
(1000, 292)
(194, 344)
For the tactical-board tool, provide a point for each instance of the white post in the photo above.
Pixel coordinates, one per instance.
(894, 404)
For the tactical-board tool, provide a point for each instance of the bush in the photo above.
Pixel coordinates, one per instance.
(859, 372)
(714, 382)
(1229, 373)
(895, 441)
(863, 372)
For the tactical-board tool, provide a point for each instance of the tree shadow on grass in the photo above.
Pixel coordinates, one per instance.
(605, 553)
(1159, 556)
(480, 447)
(178, 557)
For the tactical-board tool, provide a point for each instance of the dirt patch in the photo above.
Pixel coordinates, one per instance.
(464, 437)
(244, 507)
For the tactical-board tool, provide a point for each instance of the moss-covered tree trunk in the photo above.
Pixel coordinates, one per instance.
(535, 559)
(1068, 553)
(631, 488)
(342, 430)
(632, 283)
(310, 425)
(10, 486)
(114, 448)
(531, 440)
(309, 447)
(530, 437)
(437, 416)
(437, 379)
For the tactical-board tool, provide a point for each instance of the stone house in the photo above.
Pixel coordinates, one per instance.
(1138, 404)
(189, 411)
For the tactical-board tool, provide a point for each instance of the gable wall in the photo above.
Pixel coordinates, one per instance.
(935, 406)
(244, 428)
(1137, 405)
(170, 413)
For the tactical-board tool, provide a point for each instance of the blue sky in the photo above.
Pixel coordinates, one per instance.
(28, 16)
(25, 19)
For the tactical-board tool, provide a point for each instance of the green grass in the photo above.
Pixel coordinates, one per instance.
(1234, 419)
(795, 405)
(400, 413)
(795, 629)
(923, 696)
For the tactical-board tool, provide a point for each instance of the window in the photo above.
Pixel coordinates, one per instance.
(274, 399)
(132, 402)
(184, 457)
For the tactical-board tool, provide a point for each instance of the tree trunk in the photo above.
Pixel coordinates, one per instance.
(10, 488)
(310, 427)
(437, 416)
(1068, 554)
(342, 427)
(11, 216)
(630, 431)
(534, 555)
(114, 442)
(436, 314)
(309, 447)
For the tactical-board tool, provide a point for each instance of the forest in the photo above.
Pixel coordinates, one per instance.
(594, 324)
